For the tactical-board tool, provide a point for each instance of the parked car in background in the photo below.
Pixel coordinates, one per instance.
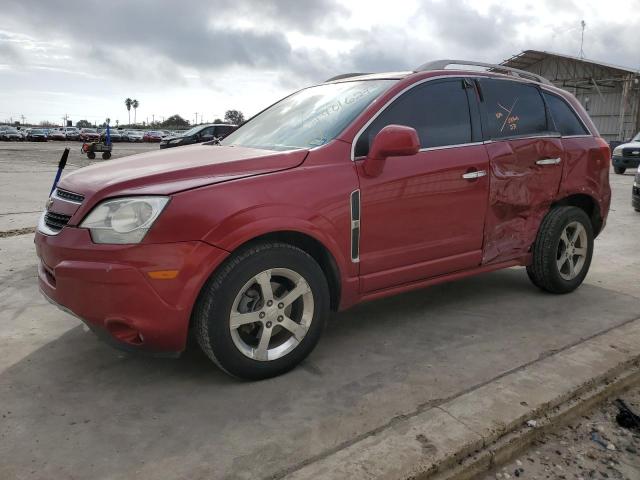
(201, 133)
(72, 133)
(626, 155)
(37, 135)
(152, 136)
(132, 136)
(89, 135)
(115, 135)
(57, 135)
(10, 134)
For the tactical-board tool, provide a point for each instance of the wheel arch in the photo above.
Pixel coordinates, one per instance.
(586, 203)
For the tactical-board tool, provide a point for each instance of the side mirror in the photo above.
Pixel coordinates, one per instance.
(391, 141)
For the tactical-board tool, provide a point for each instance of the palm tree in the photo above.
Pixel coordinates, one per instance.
(135, 105)
(128, 102)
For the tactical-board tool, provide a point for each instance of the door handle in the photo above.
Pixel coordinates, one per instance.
(548, 161)
(472, 175)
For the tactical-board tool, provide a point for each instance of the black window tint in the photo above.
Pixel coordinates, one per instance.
(206, 132)
(439, 111)
(512, 108)
(566, 121)
(223, 131)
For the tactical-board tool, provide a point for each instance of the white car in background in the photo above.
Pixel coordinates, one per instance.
(132, 136)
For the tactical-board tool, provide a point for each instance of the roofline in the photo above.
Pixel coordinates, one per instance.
(569, 57)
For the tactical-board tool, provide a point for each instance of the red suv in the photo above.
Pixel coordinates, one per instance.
(355, 189)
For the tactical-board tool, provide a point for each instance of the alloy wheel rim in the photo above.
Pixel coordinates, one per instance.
(572, 251)
(271, 314)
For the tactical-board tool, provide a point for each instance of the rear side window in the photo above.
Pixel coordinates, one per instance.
(512, 109)
(439, 111)
(566, 121)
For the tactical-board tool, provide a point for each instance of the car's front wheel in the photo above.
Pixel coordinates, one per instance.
(562, 251)
(263, 311)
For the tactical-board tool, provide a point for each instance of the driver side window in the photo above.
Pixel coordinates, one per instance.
(438, 110)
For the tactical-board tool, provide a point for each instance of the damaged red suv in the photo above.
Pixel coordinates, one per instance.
(358, 188)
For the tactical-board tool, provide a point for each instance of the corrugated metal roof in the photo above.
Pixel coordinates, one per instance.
(527, 58)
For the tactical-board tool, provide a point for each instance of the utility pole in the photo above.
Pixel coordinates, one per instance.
(196, 118)
(583, 25)
(22, 117)
(153, 118)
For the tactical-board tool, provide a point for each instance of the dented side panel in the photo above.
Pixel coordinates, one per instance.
(520, 193)
(586, 172)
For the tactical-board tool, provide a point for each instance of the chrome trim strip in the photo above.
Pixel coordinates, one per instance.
(355, 225)
(444, 147)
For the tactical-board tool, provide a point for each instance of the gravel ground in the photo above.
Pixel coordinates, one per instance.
(592, 447)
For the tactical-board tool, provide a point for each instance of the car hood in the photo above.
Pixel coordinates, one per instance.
(630, 145)
(167, 171)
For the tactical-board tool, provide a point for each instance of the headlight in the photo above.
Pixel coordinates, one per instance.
(618, 151)
(123, 220)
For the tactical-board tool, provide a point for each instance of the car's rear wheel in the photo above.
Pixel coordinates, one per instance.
(562, 251)
(619, 170)
(263, 311)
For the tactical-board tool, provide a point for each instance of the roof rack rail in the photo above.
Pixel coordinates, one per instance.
(345, 75)
(442, 64)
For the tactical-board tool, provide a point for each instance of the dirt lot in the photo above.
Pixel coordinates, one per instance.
(593, 447)
(72, 407)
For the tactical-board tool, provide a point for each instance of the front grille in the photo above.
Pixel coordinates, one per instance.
(55, 221)
(66, 195)
(631, 152)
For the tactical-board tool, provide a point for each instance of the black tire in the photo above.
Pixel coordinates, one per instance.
(91, 155)
(544, 272)
(619, 170)
(211, 315)
(106, 155)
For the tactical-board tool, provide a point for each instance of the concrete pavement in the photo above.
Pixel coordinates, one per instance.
(71, 407)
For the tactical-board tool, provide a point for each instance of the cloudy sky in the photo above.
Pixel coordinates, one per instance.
(84, 58)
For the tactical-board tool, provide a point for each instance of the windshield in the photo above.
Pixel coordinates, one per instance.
(308, 118)
(636, 138)
(191, 131)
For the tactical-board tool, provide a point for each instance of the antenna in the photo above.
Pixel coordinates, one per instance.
(583, 25)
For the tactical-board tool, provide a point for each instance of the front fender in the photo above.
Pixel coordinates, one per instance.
(248, 224)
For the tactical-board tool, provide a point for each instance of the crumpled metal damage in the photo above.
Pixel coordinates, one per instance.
(520, 193)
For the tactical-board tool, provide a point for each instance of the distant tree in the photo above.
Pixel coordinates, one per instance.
(235, 117)
(135, 104)
(83, 124)
(218, 120)
(175, 121)
(107, 121)
(46, 123)
(128, 103)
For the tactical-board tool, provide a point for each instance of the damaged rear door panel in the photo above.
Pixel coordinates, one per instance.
(525, 166)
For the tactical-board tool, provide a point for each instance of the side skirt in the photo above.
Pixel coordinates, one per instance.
(387, 292)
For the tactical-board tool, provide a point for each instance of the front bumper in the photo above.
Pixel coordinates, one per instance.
(625, 162)
(109, 287)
